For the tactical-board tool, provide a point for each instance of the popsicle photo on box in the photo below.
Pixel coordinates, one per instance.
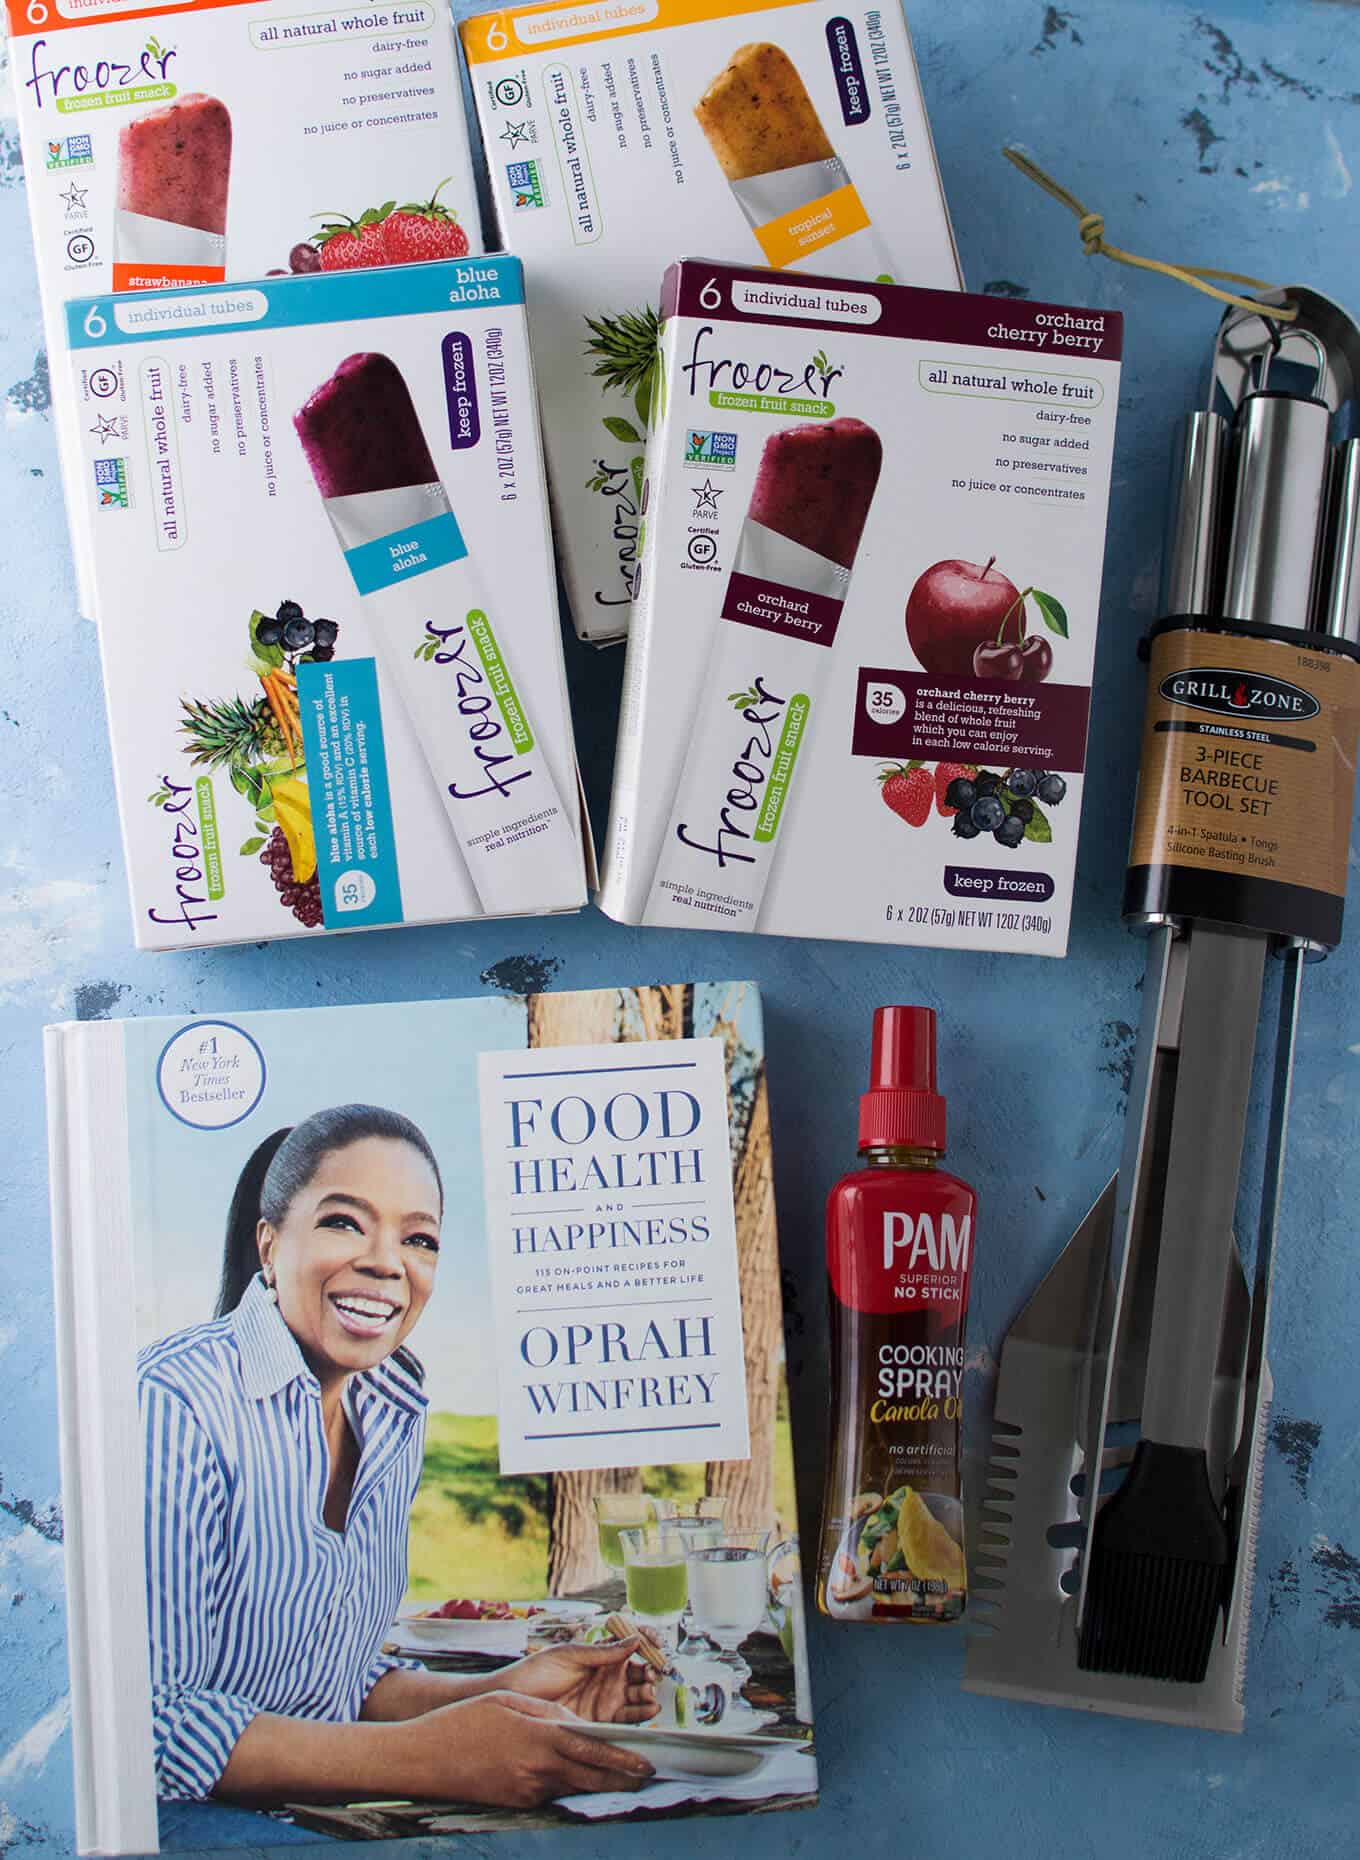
(392, 518)
(174, 170)
(788, 180)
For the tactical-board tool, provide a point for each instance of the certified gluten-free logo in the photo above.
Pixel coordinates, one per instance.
(1226, 691)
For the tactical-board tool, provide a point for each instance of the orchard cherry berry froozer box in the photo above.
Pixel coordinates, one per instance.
(859, 670)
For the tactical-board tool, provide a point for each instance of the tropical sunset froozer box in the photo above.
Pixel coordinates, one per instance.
(460, 1487)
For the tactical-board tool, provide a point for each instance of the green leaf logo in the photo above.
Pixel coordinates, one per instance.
(622, 429)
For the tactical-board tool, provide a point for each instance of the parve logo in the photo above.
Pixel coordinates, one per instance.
(111, 482)
(526, 185)
(1228, 692)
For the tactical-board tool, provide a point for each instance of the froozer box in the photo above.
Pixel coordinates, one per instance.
(858, 679)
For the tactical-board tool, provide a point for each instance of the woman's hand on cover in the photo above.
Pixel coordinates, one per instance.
(513, 1751)
(606, 1683)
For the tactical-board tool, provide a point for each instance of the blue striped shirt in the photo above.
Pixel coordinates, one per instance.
(255, 1604)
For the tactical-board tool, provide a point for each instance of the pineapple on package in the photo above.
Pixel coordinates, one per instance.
(860, 666)
(339, 479)
(791, 135)
(214, 139)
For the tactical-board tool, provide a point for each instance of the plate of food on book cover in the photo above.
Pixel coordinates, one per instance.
(464, 1625)
(680, 1753)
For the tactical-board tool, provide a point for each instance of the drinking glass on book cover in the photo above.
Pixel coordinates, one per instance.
(729, 1592)
(654, 1578)
(620, 1511)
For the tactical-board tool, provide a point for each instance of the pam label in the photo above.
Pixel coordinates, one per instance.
(1229, 692)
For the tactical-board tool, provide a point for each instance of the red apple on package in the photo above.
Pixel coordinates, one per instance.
(954, 608)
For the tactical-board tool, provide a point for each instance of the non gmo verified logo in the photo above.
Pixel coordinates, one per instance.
(526, 185)
(111, 483)
(718, 450)
(1230, 693)
(70, 152)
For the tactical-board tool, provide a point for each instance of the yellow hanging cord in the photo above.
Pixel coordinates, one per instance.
(1091, 227)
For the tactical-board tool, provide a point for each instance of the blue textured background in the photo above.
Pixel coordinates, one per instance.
(1232, 138)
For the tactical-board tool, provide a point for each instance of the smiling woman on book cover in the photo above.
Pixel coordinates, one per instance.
(284, 1444)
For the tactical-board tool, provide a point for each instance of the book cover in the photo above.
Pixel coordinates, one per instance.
(441, 1452)
(362, 718)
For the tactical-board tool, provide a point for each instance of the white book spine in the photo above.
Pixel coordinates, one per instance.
(625, 873)
(103, 1496)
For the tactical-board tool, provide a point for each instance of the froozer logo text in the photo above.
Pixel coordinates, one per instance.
(708, 373)
(51, 82)
(1230, 693)
(480, 704)
(192, 888)
(761, 712)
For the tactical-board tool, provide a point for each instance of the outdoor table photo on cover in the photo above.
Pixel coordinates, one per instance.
(402, 1295)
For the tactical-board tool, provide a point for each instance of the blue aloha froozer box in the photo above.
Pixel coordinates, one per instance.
(365, 721)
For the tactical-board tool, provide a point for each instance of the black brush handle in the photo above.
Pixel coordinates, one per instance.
(1223, 982)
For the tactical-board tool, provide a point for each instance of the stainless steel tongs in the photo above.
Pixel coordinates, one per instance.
(1138, 1368)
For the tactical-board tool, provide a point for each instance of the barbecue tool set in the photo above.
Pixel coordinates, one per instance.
(1116, 1539)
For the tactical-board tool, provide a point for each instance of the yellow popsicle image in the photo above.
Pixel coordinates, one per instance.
(788, 180)
(758, 117)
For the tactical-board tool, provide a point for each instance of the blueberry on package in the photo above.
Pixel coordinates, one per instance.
(329, 624)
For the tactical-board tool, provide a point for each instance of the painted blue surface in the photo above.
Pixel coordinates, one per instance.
(1229, 136)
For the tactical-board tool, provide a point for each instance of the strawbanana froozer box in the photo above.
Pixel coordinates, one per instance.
(328, 611)
(859, 671)
(619, 135)
(227, 139)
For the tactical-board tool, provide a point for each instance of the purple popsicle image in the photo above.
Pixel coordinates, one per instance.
(360, 430)
(174, 163)
(815, 485)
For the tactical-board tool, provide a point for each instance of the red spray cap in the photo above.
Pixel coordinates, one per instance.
(902, 1106)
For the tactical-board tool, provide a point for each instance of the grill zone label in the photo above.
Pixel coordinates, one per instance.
(1235, 692)
(1248, 763)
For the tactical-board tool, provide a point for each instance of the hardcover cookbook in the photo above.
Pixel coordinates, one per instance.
(424, 1414)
